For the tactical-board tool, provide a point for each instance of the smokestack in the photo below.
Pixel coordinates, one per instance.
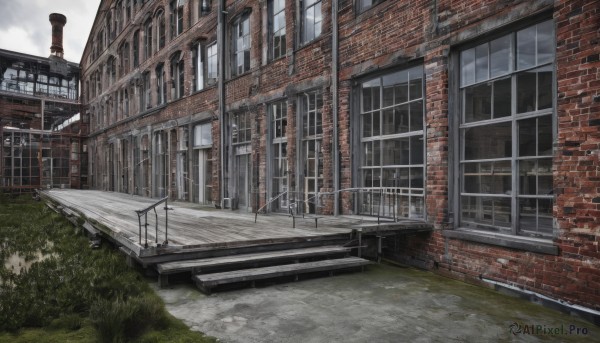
(58, 21)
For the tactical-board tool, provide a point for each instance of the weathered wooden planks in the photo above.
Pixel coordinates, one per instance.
(208, 281)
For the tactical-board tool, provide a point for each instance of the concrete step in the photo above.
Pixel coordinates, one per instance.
(223, 263)
(206, 282)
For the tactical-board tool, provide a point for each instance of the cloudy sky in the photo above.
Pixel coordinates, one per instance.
(24, 25)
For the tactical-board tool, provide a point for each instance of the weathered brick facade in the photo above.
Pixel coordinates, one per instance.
(388, 37)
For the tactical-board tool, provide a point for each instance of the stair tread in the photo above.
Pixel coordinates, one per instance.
(186, 265)
(214, 279)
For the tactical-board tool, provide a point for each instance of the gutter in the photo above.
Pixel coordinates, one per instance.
(335, 96)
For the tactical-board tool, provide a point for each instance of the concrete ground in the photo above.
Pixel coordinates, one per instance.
(383, 304)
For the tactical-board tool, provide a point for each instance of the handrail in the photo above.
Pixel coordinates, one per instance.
(268, 203)
(144, 212)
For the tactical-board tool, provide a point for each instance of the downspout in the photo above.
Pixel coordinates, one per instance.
(334, 91)
(221, 88)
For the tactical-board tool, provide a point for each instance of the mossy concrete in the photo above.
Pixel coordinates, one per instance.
(384, 304)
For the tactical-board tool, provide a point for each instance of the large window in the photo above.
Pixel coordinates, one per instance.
(177, 75)
(136, 49)
(198, 66)
(176, 19)
(212, 71)
(312, 148)
(506, 108)
(279, 167)
(392, 144)
(161, 90)
(148, 39)
(312, 19)
(124, 58)
(147, 99)
(240, 57)
(160, 30)
(277, 41)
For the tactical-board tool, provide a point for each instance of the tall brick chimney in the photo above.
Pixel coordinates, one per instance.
(58, 21)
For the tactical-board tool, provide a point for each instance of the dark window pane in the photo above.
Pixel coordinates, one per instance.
(416, 88)
(388, 96)
(527, 137)
(526, 48)
(545, 216)
(500, 56)
(527, 177)
(545, 135)
(401, 118)
(545, 185)
(416, 150)
(526, 90)
(502, 98)
(416, 177)
(467, 67)
(388, 121)
(377, 153)
(376, 123)
(544, 88)
(416, 116)
(401, 92)
(478, 103)
(545, 42)
(488, 141)
(481, 63)
(367, 126)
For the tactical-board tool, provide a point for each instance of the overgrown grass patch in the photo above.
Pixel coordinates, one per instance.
(74, 293)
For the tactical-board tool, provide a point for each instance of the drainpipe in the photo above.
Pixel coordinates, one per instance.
(335, 96)
(221, 87)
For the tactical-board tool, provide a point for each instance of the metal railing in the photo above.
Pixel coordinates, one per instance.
(144, 213)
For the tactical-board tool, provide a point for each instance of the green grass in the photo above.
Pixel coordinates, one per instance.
(75, 294)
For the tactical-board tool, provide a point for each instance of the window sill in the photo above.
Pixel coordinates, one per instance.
(536, 245)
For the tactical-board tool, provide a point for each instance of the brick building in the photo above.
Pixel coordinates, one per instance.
(480, 117)
(39, 119)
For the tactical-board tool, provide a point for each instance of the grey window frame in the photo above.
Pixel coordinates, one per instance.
(514, 236)
(212, 63)
(276, 52)
(404, 180)
(278, 163)
(237, 33)
(306, 36)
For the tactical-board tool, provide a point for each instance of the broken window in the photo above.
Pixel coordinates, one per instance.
(177, 75)
(161, 30)
(161, 89)
(148, 38)
(198, 65)
(176, 18)
(136, 48)
(506, 135)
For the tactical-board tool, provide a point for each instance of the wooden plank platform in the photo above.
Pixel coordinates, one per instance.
(200, 265)
(206, 282)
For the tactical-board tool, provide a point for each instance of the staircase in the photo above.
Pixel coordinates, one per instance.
(243, 269)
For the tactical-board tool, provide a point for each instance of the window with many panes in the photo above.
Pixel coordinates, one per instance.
(312, 148)
(212, 71)
(241, 129)
(506, 134)
(240, 57)
(312, 20)
(176, 18)
(279, 166)
(277, 44)
(392, 144)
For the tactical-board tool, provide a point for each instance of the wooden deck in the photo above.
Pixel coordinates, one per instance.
(229, 244)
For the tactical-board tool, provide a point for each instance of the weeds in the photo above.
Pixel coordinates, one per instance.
(74, 287)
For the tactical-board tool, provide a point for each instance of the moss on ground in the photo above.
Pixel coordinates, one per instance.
(74, 294)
